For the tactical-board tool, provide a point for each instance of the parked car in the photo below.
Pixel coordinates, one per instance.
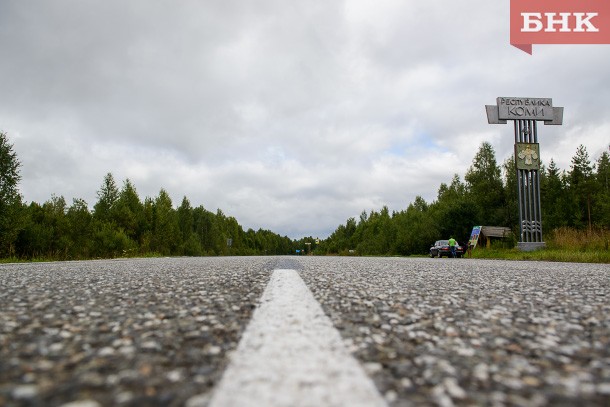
(441, 248)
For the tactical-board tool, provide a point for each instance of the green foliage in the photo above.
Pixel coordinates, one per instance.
(415, 228)
(107, 197)
(123, 226)
(128, 212)
(10, 200)
(47, 230)
(80, 230)
(558, 206)
(484, 183)
(582, 186)
(165, 230)
(120, 224)
(601, 198)
(112, 242)
(511, 202)
(375, 236)
(486, 198)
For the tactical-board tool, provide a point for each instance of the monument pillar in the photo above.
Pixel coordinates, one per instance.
(525, 114)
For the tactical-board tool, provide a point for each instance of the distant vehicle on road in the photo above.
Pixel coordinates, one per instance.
(441, 248)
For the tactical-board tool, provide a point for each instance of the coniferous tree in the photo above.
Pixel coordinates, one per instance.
(107, 197)
(127, 212)
(485, 186)
(10, 198)
(111, 240)
(185, 218)
(511, 208)
(166, 231)
(582, 186)
(146, 241)
(557, 205)
(602, 200)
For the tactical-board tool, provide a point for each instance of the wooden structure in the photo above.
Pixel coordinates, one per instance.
(489, 233)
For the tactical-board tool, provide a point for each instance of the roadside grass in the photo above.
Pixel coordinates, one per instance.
(7, 260)
(43, 259)
(546, 254)
(563, 245)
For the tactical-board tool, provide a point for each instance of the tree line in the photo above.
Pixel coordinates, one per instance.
(120, 224)
(578, 198)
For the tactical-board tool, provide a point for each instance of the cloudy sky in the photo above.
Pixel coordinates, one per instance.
(290, 115)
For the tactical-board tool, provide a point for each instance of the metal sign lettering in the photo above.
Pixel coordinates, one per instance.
(525, 108)
(520, 108)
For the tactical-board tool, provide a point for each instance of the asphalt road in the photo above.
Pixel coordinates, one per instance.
(426, 331)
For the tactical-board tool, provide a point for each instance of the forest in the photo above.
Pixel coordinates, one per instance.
(120, 224)
(578, 199)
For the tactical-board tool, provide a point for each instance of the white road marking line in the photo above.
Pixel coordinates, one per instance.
(291, 355)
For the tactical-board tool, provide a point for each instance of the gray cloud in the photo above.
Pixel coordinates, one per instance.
(291, 116)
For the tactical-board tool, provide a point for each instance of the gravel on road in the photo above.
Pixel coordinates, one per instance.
(122, 332)
(470, 332)
(428, 331)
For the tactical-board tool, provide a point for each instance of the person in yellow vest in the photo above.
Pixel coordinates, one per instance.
(452, 244)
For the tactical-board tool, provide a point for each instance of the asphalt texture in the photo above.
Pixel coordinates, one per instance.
(291, 355)
(427, 331)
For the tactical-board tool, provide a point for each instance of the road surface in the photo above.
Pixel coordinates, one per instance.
(177, 331)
